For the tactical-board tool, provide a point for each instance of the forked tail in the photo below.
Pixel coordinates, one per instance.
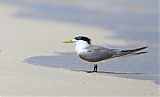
(134, 50)
(130, 52)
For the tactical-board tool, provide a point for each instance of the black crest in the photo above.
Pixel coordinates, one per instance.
(83, 38)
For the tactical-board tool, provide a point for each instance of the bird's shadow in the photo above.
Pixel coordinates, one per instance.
(70, 61)
(108, 72)
(62, 60)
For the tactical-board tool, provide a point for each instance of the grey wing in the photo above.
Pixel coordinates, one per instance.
(97, 53)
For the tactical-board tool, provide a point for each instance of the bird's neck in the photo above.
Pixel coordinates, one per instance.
(81, 47)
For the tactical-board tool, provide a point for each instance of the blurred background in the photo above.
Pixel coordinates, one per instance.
(131, 20)
(134, 21)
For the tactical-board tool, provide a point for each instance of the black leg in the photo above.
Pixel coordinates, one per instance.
(95, 68)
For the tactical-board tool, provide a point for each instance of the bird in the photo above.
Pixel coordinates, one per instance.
(95, 54)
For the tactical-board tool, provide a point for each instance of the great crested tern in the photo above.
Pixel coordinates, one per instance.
(95, 54)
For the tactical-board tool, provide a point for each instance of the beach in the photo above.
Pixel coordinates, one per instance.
(22, 38)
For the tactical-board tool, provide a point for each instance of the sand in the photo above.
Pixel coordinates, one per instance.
(21, 38)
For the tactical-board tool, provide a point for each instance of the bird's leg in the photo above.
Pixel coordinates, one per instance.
(95, 68)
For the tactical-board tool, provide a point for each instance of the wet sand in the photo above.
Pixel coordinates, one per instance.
(21, 38)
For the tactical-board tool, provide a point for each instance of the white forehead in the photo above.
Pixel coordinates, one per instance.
(74, 40)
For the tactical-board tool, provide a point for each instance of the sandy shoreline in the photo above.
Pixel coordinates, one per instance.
(22, 38)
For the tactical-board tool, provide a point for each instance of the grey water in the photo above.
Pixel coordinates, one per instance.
(131, 20)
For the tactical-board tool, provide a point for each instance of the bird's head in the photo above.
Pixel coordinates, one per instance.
(79, 39)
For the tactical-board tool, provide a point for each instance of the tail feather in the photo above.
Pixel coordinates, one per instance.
(139, 53)
(134, 50)
(130, 52)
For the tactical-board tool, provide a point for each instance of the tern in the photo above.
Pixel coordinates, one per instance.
(96, 54)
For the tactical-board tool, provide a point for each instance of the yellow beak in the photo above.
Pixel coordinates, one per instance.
(68, 41)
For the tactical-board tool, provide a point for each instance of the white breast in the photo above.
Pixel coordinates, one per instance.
(81, 46)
